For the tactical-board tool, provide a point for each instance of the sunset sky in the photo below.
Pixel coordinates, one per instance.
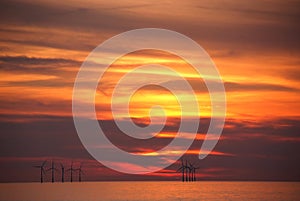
(254, 44)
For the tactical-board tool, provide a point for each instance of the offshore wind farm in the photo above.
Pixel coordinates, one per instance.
(187, 170)
(188, 187)
(53, 169)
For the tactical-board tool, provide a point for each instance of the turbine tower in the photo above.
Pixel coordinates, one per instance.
(52, 171)
(187, 171)
(182, 169)
(71, 171)
(42, 170)
(193, 170)
(62, 173)
(80, 172)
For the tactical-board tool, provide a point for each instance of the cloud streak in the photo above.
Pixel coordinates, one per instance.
(254, 45)
(239, 152)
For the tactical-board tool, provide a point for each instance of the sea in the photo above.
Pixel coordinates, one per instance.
(151, 191)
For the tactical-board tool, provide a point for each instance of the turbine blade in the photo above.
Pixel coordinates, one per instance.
(44, 163)
(179, 169)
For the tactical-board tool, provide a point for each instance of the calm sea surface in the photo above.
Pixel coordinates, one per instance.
(150, 191)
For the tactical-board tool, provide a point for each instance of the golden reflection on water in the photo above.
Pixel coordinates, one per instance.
(151, 191)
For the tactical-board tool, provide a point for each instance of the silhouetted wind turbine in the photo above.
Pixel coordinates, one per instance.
(190, 173)
(52, 171)
(182, 168)
(71, 170)
(187, 172)
(41, 167)
(193, 169)
(80, 171)
(62, 173)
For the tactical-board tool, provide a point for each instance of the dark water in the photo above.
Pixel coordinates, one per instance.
(150, 191)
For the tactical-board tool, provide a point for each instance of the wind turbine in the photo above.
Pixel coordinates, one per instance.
(182, 168)
(187, 172)
(71, 171)
(52, 170)
(193, 169)
(41, 167)
(80, 172)
(62, 173)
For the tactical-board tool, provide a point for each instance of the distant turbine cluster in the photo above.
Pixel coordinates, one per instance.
(53, 169)
(188, 171)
